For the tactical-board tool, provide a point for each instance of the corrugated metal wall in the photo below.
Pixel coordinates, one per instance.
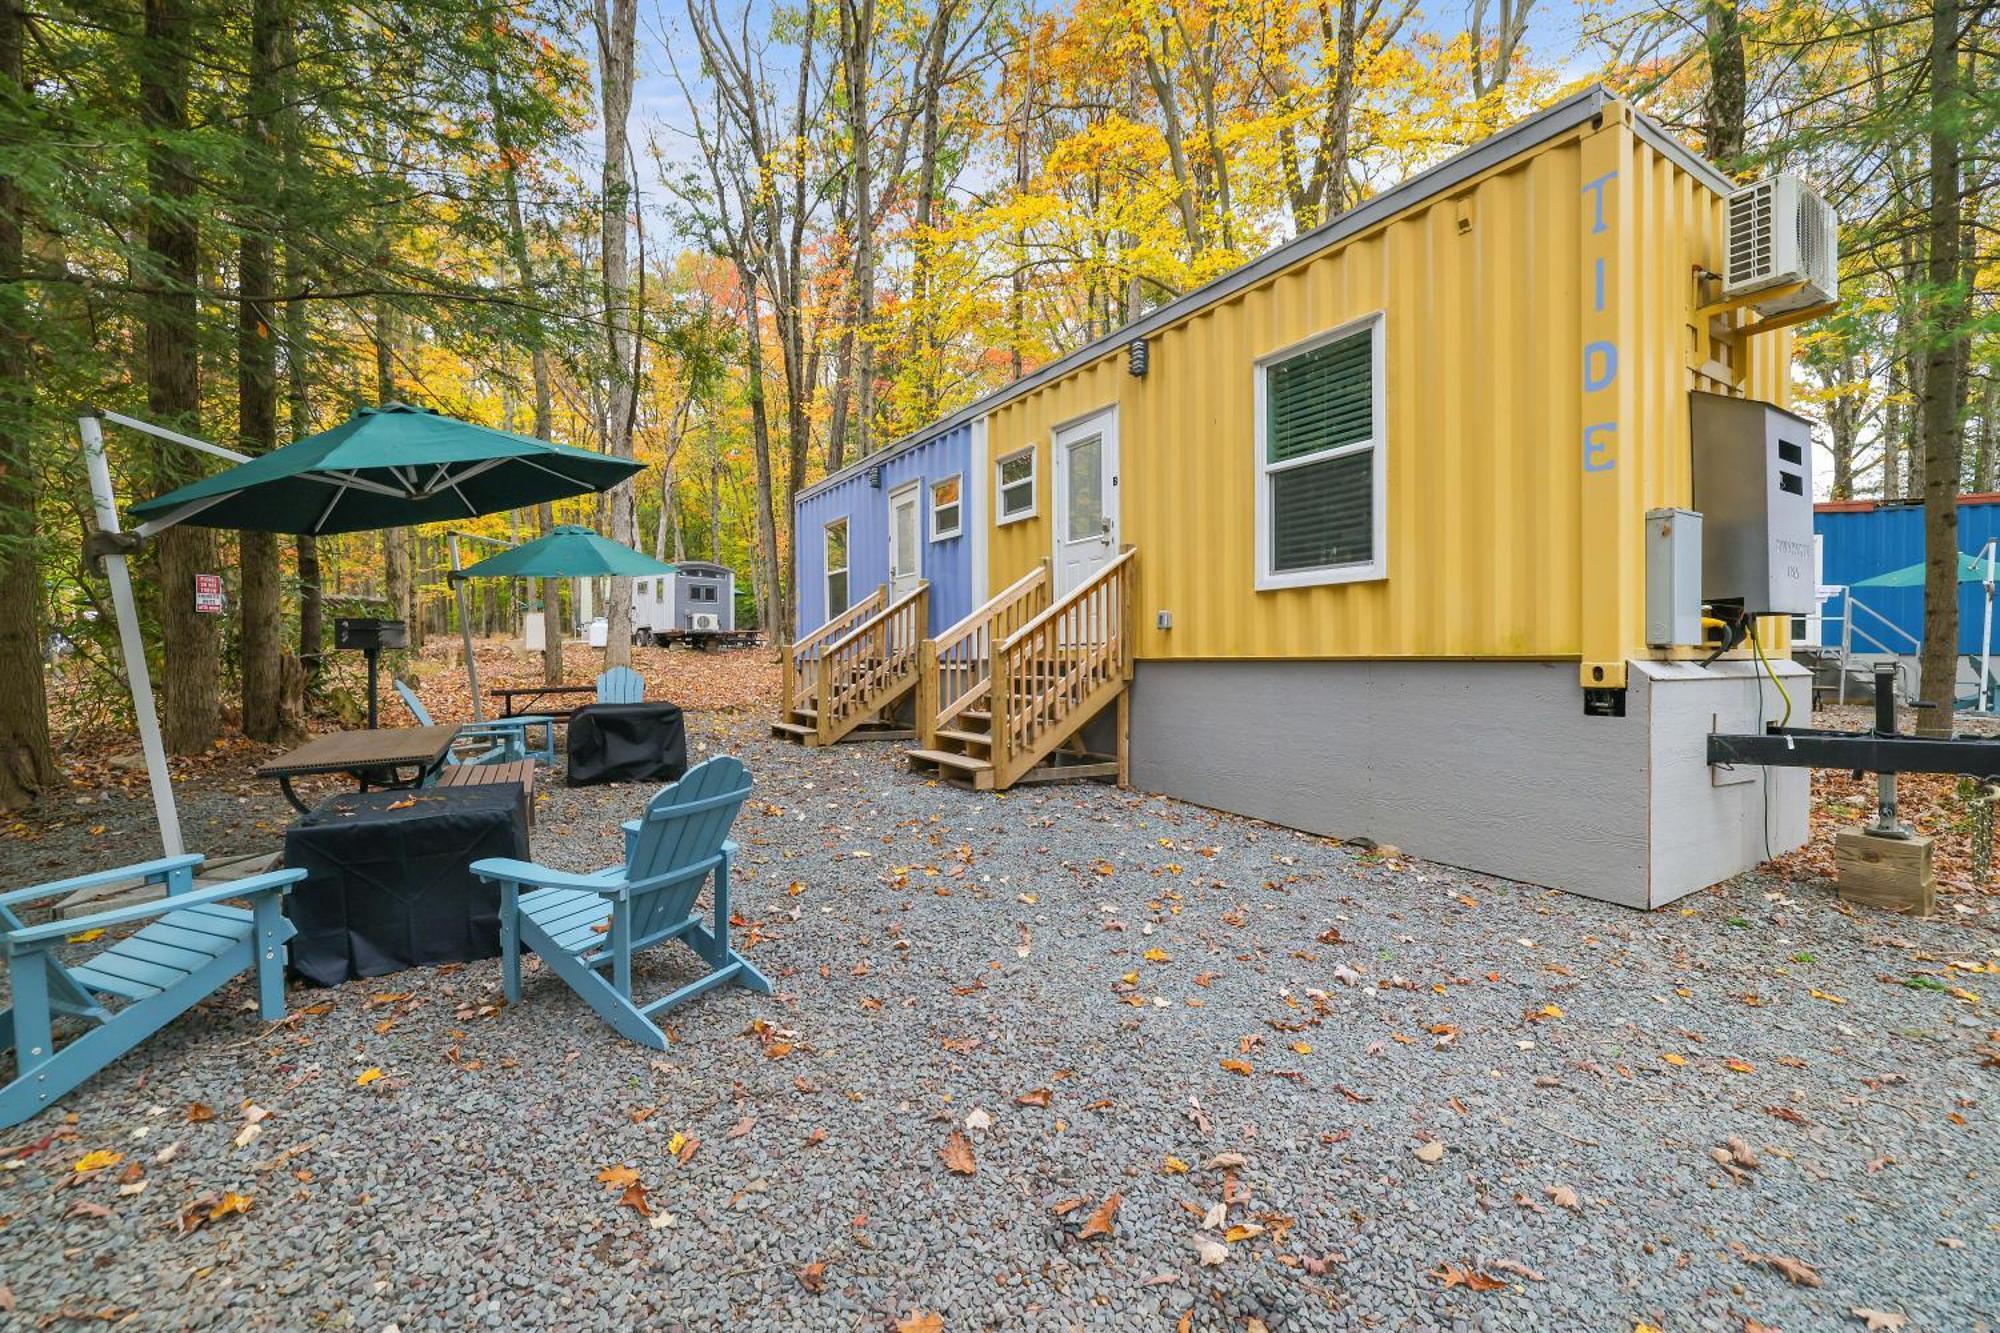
(947, 564)
(1489, 294)
(1857, 544)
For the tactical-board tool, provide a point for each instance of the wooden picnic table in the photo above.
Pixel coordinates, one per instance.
(511, 696)
(372, 758)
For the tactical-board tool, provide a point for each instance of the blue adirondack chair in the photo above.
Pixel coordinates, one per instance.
(505, 737)
(583, 924)
(621, 685)
(194, 947)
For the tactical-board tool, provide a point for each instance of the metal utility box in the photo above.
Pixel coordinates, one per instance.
(1753, 486)
(368, 634)
(1673, 578)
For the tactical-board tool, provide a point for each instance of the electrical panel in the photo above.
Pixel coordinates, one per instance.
(1753, 485)
(1673, 578)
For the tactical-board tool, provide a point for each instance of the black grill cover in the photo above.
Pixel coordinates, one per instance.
(388, 888)
(643, 742)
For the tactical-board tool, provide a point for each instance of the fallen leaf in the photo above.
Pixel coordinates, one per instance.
(1562, 1196)
(1173, 1166)
(1432, 1151)
(740, 1128)
(978, 1120)
(1675, 1060)
(1099, 1221)
(634, 1198)
(1035, 1097)
(367, 1076)
(1517, 1269)
(1880, 1321)
(1237, 1067)
(1063, 1207)
(1463, 1275)
(1217, 1214)
(97, 1161)
(813, 1276)
(618, 1177)
(957, 1155)
(198, 1112)
(1795, 1271)
(920, 1321)
(1209, 1251)
(1225, 1161)
(1242, 1231)
(686, 1151)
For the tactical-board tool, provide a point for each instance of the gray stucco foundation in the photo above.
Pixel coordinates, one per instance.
(1490, 766)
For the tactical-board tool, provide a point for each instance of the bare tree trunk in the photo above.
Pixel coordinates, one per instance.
(770, 603)
(395, 541)
(548, 592)
(1943, 329)
(614, 60)
(1984, 463)
(312, 627)
(257, 377)
(1841, 427)
(191, 705)
(1728, 83)
(26, 765)
(857, 55)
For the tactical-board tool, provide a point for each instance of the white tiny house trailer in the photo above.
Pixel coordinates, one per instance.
(696, 601)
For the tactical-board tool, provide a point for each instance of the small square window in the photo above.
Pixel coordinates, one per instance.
(1017, 486)
(946, 510)
(835, 562)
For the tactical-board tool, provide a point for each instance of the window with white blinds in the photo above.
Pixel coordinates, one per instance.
(1319, 460)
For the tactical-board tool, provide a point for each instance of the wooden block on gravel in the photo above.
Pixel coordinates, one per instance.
(1893, 874)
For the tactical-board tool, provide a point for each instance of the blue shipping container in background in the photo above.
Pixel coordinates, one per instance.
(860, 494)
(1862, 538)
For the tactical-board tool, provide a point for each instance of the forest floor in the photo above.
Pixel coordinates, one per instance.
(1065, 1057)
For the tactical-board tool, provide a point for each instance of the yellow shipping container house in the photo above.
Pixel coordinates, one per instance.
(1427, 525)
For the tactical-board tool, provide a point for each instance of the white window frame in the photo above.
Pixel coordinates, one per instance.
(1269, 579)
(1001, 518)
(939, 532)
(827, 571)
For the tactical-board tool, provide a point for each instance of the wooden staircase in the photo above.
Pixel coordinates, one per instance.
(847, 679)
(1005, 694)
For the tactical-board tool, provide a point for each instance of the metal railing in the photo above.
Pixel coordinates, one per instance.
(1872, 642)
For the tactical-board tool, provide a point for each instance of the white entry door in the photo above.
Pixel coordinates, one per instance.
(906, 540)
(1086, 498)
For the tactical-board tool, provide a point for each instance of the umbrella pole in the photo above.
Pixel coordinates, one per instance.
(116, 570)
(1986, 639)
(465, 632)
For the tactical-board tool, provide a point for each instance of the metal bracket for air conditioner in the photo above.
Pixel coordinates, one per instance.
(1706, 312)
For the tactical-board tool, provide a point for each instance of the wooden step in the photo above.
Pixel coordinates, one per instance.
(795, 732)
(978, 715)
(801, 710)
(982, 738)
(964, 768)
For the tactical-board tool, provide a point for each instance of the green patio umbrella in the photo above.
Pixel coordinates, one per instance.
(392, 466)
(1971, 569)
(569, 552)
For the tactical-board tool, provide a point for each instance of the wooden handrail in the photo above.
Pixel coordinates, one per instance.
(958, 663)
(1056, 608)
(949, 638)
(871, 664)
(797, 680)
(922, 588)
(1054, 672)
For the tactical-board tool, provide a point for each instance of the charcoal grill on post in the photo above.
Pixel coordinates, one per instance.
(370, 636)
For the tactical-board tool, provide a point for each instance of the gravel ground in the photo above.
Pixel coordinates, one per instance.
(1457, 1103)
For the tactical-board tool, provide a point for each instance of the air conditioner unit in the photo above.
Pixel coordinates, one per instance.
(701, 621)
(1781, 233)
